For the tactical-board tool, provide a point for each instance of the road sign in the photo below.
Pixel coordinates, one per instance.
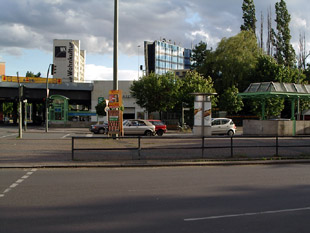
(100, 100)
(30, 79)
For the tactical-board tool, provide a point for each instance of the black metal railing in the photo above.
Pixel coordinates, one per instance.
(190, 143)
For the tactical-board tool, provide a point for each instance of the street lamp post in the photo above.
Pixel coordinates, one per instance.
(115, 50)
(139, 61)
(46, 100)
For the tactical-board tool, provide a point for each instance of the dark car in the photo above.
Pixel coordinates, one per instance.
(99, 128)
(160, 127)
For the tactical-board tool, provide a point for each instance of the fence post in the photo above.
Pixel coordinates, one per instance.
(231, 147)
(277, 145)
(72, 149)
(139, 147)
(202, 146)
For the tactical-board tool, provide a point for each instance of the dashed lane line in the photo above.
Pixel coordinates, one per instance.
(17, 182)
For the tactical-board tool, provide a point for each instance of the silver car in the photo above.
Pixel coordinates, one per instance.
(138, 127)
(223, 126)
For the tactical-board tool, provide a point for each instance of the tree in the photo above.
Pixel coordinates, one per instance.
(230, 101)
(273, 107)
(199, 54)
(7, 108)
(100, 109)
(284, 51)
(31, 74)
(249, 17)
(193, 82)
(267, 69)
(235, 60)
(269, 49)
(156, 92)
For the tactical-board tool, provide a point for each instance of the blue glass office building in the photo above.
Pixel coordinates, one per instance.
(163, 56)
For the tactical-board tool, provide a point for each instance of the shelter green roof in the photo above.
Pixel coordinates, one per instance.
(273, 89)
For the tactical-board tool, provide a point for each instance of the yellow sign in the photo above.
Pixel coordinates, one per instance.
(115, 98)
(30, 79)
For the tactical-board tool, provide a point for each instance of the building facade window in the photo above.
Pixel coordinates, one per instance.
(162, 57)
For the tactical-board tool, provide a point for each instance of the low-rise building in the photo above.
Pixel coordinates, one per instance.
(131, 108)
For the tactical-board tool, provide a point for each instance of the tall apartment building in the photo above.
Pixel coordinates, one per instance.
(69, 60)
(163, 56)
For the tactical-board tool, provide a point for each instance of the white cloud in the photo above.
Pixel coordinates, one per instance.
(95, 72)
(33, 24)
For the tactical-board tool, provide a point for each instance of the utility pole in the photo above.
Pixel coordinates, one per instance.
(139, 61)
(115, 50)
(20, 116)
(46, 100)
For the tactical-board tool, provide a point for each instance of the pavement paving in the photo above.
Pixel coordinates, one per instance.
(38, 149)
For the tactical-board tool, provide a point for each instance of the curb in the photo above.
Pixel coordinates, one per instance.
(149, 164)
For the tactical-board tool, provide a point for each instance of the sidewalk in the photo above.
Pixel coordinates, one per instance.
(39, 149)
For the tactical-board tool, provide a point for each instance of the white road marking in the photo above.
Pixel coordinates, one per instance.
(67, 135)
(13, 185)
(16, 183)
(248, 214)
(7, 190)
(10, 135)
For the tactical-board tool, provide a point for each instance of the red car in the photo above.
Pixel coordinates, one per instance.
(160, 127)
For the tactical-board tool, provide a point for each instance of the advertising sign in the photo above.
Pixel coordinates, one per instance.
(30, 79)
(115, 98)
(202, 113)
(114, 122)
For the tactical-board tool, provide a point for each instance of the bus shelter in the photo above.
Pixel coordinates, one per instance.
(58, 109)
(265, 90)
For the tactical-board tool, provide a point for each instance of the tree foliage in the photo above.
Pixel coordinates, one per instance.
(199, 54)
(235, 60)
(31, 74)
(230, 101)
(284, 51)
(100, 109)
(193, 82)
(273, 107)
(156, 92)
(167, 92)
(249, 17)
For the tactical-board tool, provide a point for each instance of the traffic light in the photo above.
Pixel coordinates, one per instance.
(50, 102)
(26, 93)
(53, 69)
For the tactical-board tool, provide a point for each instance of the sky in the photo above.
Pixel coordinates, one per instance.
(28, 28)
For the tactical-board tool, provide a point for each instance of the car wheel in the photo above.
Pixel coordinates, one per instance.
(160, 133)
(101, 131)
(148, 133)
(231, 133)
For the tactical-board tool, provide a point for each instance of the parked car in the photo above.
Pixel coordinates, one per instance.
(160, 127)
(138, 127)
(99, 128)
(223, 126)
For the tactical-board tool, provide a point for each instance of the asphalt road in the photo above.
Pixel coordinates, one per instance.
(187, 199)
